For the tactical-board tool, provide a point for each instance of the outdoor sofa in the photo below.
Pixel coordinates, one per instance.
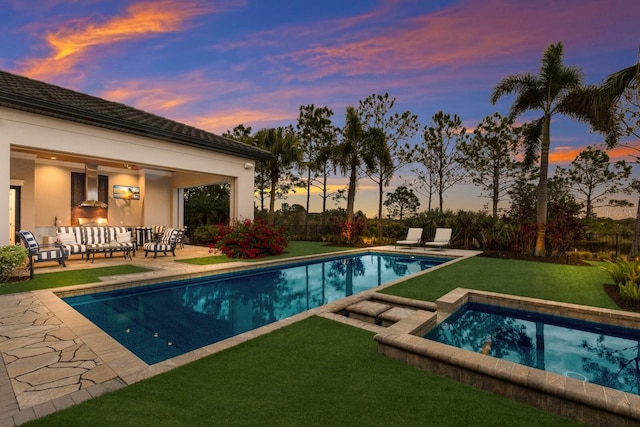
(88, 240)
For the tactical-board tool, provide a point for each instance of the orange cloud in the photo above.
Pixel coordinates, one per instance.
(564, 155)
(629, 152)
(71, 45)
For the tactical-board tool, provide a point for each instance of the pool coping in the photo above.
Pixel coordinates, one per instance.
(586, 402)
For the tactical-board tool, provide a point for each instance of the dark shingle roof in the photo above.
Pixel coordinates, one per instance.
(21, 93)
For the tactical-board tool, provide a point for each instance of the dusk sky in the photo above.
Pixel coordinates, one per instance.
(216, 64)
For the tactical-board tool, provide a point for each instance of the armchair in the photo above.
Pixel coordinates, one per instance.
(41, 253)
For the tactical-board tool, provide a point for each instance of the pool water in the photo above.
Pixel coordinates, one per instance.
(162, 321)
(602, 354)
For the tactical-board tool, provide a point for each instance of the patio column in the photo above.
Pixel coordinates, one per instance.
(233, 200)
(5, 181)
(178, 219)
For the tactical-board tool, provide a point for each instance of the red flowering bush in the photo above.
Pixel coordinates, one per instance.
(248, 239)
(352, 231)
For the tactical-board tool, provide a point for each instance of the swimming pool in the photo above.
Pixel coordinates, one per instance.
(158, 322)
(567, 395)
(602, 354)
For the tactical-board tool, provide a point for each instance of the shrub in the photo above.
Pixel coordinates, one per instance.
(630, 290)
(248, 239)
(11, 257)
(351, 232)
(625, 274)
(622, 271)
(207, 233)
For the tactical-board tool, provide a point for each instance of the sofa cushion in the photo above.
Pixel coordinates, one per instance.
(123, 237)
(75, 230)
(67, 239)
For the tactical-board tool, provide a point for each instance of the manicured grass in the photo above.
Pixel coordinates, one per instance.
(295, 248)
(558, 282)
(67, 278)
(313, 373)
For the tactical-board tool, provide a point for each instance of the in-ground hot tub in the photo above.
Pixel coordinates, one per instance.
(567, 395)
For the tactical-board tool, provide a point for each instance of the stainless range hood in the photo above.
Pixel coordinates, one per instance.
(91, 188)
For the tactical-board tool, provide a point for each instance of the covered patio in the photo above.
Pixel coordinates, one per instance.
(54, 139)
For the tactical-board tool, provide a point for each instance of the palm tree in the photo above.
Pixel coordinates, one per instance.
(283, 144)
(615, 85)
(351, 154)
(608, 96)
(549, 92)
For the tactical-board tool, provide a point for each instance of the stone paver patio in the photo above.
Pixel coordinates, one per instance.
(53, 358)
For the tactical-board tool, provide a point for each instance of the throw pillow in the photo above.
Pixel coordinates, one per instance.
(123, 237)
(66, 238)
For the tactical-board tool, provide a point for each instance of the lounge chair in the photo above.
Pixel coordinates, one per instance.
(414, 236)
(441, 239)
(167, 243)
(41, 253)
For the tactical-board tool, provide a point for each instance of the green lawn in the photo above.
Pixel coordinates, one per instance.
(558, 282)
(319, 372)
(67, 278)
(313, 373)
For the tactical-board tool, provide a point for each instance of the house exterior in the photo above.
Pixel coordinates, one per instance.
(52, 140)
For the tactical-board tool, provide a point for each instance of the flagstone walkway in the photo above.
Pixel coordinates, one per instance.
(43, 358)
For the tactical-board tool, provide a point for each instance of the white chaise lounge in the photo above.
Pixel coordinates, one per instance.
(441, 239)
(414, 236)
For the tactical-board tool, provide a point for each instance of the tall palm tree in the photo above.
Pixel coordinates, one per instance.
(549, 92)
(352, 154)
(283, 144)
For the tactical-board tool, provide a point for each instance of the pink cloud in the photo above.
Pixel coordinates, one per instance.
(169, 93)
(462, 36)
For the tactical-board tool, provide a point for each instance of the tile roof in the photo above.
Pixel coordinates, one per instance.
(21, 93)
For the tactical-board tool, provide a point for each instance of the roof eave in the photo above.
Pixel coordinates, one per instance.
(47, 108)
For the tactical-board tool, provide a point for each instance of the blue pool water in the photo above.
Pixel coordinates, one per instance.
(587, 351)
(162, 321)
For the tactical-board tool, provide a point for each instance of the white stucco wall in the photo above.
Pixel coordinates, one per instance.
(123, 212)
(157, 192)
(51, 187)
